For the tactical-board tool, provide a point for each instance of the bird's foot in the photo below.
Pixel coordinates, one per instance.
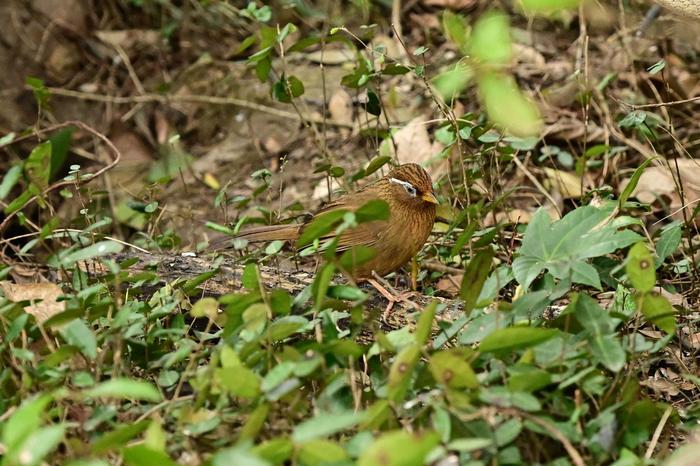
(392, 296)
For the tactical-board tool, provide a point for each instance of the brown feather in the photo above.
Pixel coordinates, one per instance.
(395, 240)
(271, 233)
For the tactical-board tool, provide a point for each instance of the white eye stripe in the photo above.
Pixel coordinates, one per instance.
(406, 185)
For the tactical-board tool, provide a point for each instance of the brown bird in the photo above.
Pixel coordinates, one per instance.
(408, 191)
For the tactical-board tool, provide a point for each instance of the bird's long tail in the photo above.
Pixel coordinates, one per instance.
(271, 233)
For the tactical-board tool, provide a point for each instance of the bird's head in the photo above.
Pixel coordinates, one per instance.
(411, 184)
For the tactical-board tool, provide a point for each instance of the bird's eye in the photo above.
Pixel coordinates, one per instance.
(410, 189)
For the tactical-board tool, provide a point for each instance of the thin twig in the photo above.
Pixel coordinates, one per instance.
(657, 433)
(656, 105)
(193, 98)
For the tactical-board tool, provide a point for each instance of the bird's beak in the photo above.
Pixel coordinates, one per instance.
(430, 197)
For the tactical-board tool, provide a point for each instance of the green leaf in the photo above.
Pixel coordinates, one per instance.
(490, 41)
(325, 424)
(669, 241)
(36, 446)
(37, 167)
(99, 249)
(561, 247)
(285, 327)
(254, 423)
(118, 437)
(346, 292)
(78, 334)
(321, 225)
(548, 6)
(321, 452)
(375, 209)
(451, 370)
(276, 451)
(401, 371)
(356, 256)
(124, 388)
(60, 144)
(425, 323)
(640, 268)
(321, 284)
(207, 306)
(24, 421)
(10, 180)
(456, 29)
(507, 106)
(399, 448)
(450, 84)
(634, 180)
(512, 338)
(376, 163)
(474, 278)
(600, 326)
(142, 455)
(658, 311)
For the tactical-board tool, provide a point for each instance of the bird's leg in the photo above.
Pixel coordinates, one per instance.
(392, 296)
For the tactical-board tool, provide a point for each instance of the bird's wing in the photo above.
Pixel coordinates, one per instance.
(365, 234)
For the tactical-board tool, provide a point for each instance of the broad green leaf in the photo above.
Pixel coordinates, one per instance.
(238, 456)
(24, 421)
(512, 338)
(60, 144)
(324, 425)
(321, 284)
(118, 437)
(669, 241)
(99, 249)
(548, 6)
(321, 452)
(276, 451)
(239, 381)
(658, 311)
(36, 446)
(640, 268)
(563, 246)
(507, 106)
(321, 225)
(37, 167)
(356, 256)
(490, 40)
(126, 389)
(474, 278)
(77, 333)
(450, 84)
(399, 448)
(375, 209)
(285, 327)
(206, 306)
(142, 455)
(451, 370)
(346, 292)
(456, 29)
(401, 371)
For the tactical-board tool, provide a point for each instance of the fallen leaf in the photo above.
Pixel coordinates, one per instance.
(340, 106)
(661, 385)
(128, 38)
(450, 284)
(42, 296)
(413, 145)
(567, 183)
(658, 182)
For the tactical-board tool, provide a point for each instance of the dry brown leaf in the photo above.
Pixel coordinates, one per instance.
(340, 106)
(43, 298)
(658, 182)
(450, 284)
(568, 184)
(512, 216)
(128, 38)
(661, 385)
(413, 145)
(68, 14)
